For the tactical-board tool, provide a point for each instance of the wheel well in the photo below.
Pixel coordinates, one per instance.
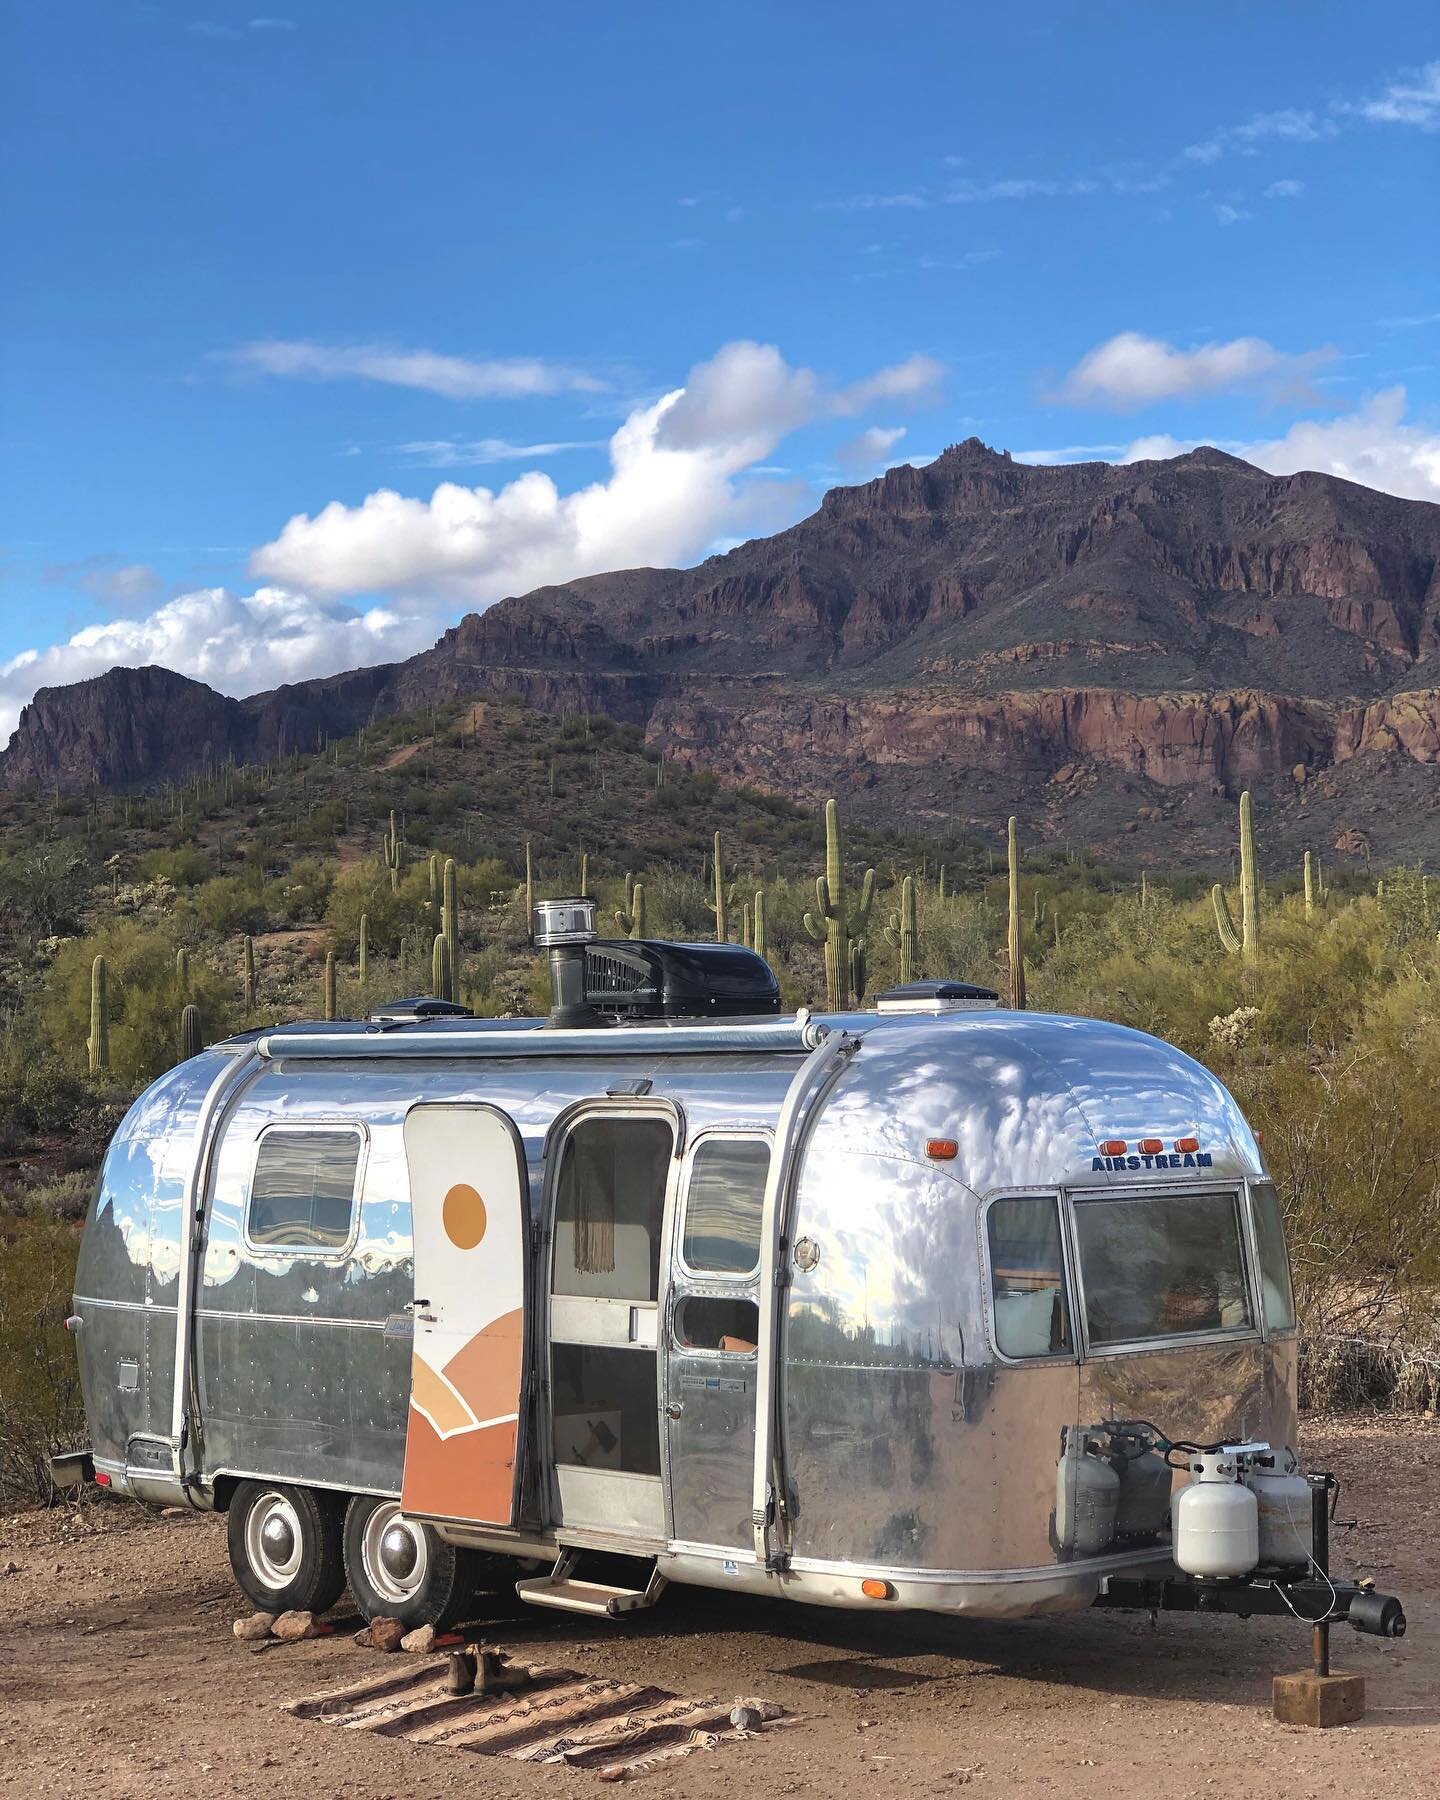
(224, 1491)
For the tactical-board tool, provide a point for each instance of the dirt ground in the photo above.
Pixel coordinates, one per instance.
(119, 1675)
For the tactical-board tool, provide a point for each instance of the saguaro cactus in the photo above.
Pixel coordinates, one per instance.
(392, 854)
(584, 872)
(450, 925)
(835, 923)
(529, 891)
(364, 948)
(1309, 886)
(191, 1038)
(440, 967)
(900, 932)
(247, 975)
(631, 916)
(758, 941)
(98, 1043)
(329, 984)
(182, 970)
(723, 896)
(434, 867)
(1245, 942)
(1014, 951)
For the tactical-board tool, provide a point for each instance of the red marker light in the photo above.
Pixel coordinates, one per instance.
(102, 1479)
(1113, 1147)
(1151, 1146)
(942, 1149)
(1187, 1146)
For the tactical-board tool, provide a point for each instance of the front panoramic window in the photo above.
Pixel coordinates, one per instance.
(723, 1205)
(1274, 1262)
(1027, 1276)
(303, 1193)
(1162, 1267)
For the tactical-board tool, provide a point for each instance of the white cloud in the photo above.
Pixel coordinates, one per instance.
(1068, 453)
(107, 580)
(912, 382)
(1230, 215)
(871, 448)
(453, 377)
(240, 644)
(683, 475)
(474, 453)
(1413, 100)
(1131, 370)
(1373, 445)
(1290, 125)
(1284, 190)
(974, 193)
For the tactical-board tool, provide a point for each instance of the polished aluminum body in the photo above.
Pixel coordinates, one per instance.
(877, 1431)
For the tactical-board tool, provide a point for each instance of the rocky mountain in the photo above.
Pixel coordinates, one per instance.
(1110, 650)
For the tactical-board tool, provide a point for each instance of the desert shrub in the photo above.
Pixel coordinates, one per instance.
(43, 891)
(304, 890)
(230, 905)
(184, 867)
(144, 995)
(365, 888)
(40, 1405)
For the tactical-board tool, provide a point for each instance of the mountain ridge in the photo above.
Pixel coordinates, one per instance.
(948, 638)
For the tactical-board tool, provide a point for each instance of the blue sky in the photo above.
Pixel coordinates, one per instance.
(275, 278)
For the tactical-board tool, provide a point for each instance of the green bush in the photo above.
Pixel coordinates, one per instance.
(40, 1406)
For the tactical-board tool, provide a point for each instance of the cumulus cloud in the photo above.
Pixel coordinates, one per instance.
(1374, 445)
(1290, 125)
(1412, 100)
(684, 475)
(452, 377)
(870, 448)
(107, 580)
(1225, 214)
(1131, 370)
(240, 644)
(1284, 190)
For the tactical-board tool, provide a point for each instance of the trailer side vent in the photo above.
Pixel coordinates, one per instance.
(937, 997)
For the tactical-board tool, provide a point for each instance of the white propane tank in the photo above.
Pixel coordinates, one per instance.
(1087, 1495)
(1216, 1519)
(1283, 1496)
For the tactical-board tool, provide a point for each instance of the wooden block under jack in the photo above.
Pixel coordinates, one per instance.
(1322, 1700)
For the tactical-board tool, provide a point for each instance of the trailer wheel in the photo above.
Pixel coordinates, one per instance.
(285, 1546)
(399, 1568)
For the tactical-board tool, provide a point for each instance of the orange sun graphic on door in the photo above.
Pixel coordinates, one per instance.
(469, 1235)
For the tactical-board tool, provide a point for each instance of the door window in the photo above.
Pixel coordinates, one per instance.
(610, 1208)
(723, 1204)
(718, 1323)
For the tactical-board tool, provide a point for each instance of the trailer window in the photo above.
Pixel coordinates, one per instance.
(723, 1205)
(1275, 1286)
(1161, 1267)
(1027, 1277)
(712, 1322)
(303, 1193)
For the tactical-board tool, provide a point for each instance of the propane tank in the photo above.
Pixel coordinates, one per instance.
(1283, 1496)
(1216, 1519)
(1145, 1483)
(1086, 1497)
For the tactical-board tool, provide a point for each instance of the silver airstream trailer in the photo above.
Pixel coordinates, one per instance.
(938, 1306)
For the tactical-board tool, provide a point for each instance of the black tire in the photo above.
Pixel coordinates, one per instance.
(286, 1546)
(436, 1587)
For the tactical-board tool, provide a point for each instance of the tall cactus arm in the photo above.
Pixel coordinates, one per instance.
(862, 910)
(1224, 924)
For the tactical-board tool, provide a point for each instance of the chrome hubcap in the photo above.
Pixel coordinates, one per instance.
(394, 1553)
(274, 1540)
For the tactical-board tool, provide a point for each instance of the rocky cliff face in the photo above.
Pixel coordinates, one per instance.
(946, 640)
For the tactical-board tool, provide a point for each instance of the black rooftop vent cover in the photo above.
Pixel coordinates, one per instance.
(648, 979)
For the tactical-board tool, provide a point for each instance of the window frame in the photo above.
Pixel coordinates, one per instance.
(1051, 1358)
(330, 1253)
(1136, 1194)
(722, 1277)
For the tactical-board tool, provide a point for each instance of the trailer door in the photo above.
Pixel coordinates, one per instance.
(469, 1209)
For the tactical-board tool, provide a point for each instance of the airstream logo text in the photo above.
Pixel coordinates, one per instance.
(1196, 1159)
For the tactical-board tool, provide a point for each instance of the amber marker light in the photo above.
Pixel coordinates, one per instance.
(1151, 1146)
(874, 1589)
(1187, 1146)
(1113, 1147)
(942, 1149)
